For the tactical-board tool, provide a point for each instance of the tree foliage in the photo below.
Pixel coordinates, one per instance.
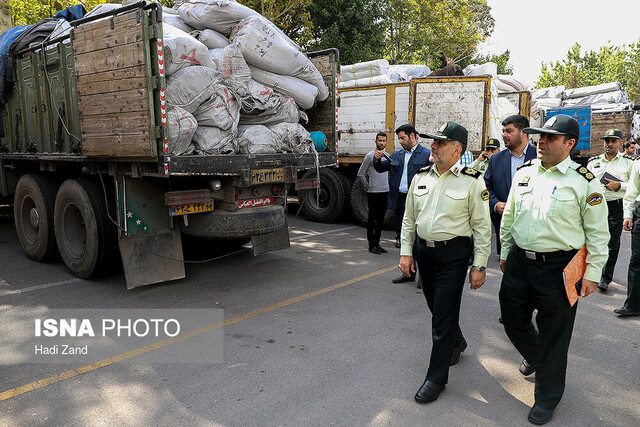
(608, 64)
(355, 27)
(425, 31)
(502, 61)
(291, 16)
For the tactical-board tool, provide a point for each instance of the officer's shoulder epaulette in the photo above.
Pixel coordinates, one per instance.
(425, 169)
(593, 158)
(629, 157)
(585, 173)
(525, 164)
(471, 172)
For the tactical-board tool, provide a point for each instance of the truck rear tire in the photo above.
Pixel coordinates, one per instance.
(245, 222)
(360, 208)
(33, 206)
(333, 196)
(86, 239)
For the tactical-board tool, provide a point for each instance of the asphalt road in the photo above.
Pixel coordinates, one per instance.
(316, 335)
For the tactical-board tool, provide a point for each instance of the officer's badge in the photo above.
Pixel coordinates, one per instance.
(443, 127)
(550, 122)
(597, 165)
(611, 132)
(526, 178)
(524, 182)
(485, 195)
(582, 170)
(589, 176)
(455, 170)
(594, 199)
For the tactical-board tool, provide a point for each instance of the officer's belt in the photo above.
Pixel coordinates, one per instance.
(616, 202)
(543, 256)
(443, 243)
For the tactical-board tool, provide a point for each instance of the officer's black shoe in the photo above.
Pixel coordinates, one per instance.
(375, 250)
(398, 242)
(526, 369)
(539, 415)
(500, 320)
(381, 249)
(603, 286)
(455, 356)
(403, 279)
(429, 392)
(624, 311)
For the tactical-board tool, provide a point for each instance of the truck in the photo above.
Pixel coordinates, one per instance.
(84, 157)
(593, 124)
(424, 102)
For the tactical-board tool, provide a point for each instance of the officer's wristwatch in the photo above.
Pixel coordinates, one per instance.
(480, 269)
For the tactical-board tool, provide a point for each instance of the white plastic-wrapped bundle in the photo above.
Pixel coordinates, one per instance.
(191, 86)
(548, 92)
(181, 50)
(616, 97)
(372, 81)
(364, 70)
(220, 110)
(581, 92)
(490, 68)
(302, 92)
(293, 137)
(230, 61)
(548, 103)
(211, 38)
(257, 139)
(213, 140)
(176, 21)
(398, 73)
(506, 108)
(507, 83)
(494, 125)
(263, 47)
(181, 126)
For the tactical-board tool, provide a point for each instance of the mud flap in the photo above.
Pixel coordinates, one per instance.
(271, 241)
(153, 258)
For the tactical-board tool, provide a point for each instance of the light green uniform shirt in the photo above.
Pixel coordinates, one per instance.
(480, 165)
(631, 196)
(556, 209)
(619, 166)
(441, 207)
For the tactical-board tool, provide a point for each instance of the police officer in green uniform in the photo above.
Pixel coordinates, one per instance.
(555, 207)
(631, 223)
(612, 168)
(490, 148)
(447, 204)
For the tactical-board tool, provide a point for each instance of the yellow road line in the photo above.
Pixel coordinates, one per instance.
(120, 357)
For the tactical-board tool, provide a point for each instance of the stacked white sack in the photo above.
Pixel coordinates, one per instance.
(257, 139)
(406, 72)
(211, 38)
(265, 48)
(364, 70)
(581, 92)
(294, 137)
(181, 126)
(508, 83)
(635, 127)
(302, 92)
(181, 50)
(221, 15)
(199, 90)
(488, 68)
(175, 21)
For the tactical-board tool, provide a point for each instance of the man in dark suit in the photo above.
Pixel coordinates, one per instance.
(503, 165)
(402, 165)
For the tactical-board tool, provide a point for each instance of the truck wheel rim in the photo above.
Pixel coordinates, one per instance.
(75, 233)
(29, 228)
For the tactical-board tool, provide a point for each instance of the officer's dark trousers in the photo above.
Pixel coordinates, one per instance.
(633, 280)
(615, 229)
(495, 220)
(529, 285)
(377, 203)
(400, 207)
(442, 273)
